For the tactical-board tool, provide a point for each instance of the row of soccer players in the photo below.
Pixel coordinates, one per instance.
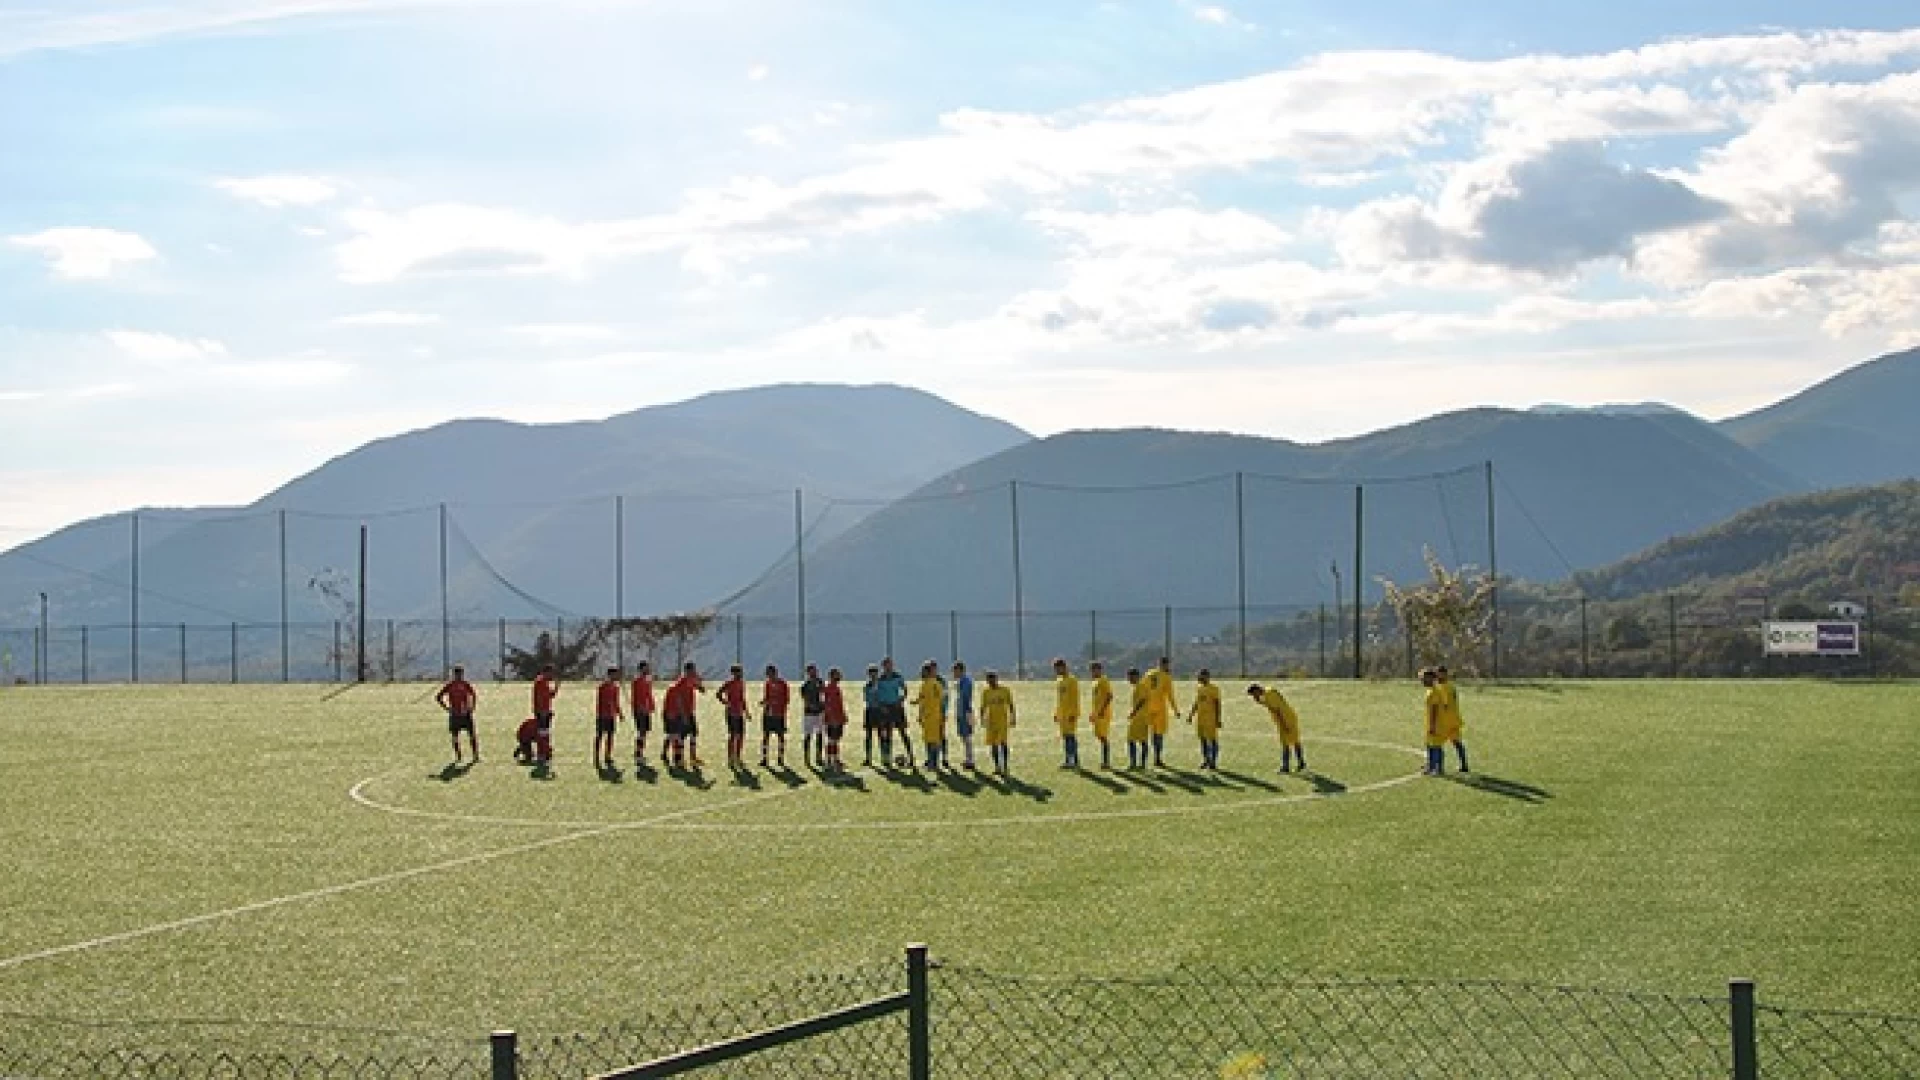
(885, 698)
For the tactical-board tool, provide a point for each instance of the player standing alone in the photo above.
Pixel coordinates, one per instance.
(606, 718)
(1205, 716)
(458, 698)
(544, 691)
(1456, 724)
(1066, 712)
(774, 696)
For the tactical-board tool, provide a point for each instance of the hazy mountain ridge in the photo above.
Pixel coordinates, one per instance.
(1857, 427)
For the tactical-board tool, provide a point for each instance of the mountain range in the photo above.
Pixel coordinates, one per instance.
(919, 502)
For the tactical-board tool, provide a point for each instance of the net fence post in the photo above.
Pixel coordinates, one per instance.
(84, 648)
(1746, 1050)
(919, 1015)
(506, 1055)
(1586, 670)
(1673, 636)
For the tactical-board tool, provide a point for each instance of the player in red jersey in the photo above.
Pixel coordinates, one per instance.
(458, 698)
(642, 710)
(544, 691)
(681, 723)
(775, 696)
(606, 718)
(836, 718)
(733, 698)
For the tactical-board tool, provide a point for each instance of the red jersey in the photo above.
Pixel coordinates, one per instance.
(457, 697)
(679, 700)
(606, 703)
(643, 696)
(733, 694)
(543, 693)
(836, 706)
(774, 697)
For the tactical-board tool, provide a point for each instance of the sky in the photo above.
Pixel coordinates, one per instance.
(240, 237)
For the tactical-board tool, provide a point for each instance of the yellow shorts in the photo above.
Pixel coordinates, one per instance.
(1102, 727)
(996, 733)
(1209, 730)
(1069, 725)
(1137, 729)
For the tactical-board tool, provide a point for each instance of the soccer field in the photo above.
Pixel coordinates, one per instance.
(302, 854)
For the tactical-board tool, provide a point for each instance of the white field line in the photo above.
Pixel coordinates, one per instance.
(670, 822)
(371, 882)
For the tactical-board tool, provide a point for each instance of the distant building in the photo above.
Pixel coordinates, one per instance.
(1847, 609)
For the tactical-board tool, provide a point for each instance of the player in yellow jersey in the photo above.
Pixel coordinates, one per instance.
(1161, 707)
(1456, 726)
(1100, 713)
(1434, 712)
(1138, 725)
(932, 701)
(1205, 716)
(1286, 722)
(998, 717)
(1066, 712)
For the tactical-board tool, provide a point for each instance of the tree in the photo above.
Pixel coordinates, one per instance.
(647, 634)
(1628, 632)
(577, 657)
(1449, 615)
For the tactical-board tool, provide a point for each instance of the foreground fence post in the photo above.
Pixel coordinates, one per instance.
(506, 1055)
(1746, 1053)
(919, 1015)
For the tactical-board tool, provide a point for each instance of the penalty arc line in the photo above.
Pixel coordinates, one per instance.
(359, 795)
(370, 882)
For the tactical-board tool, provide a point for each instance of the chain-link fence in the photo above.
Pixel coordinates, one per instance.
(1198, 1023)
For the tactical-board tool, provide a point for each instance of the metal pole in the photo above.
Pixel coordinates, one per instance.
(1493, 568)
(506, 1055)
(38, 645)
(338, 659)
(953, 636)
(739, 639)
(233, 653)
(183, 653)
(1323, 640)
(1240, 547)
(393, 668)
(1093, 635)
(503, 648)
(360, 614)
(1019, 590)
(919, 1016)
(1166, 633)
(1746, 1051)
(1673, 636)
(620, 577)
(800, 572)
(446, 630)
(888, 651)
(1359, 562)
(134, 598)
(286, 657)
(43, 656)
(84, 645)
(1586, 670)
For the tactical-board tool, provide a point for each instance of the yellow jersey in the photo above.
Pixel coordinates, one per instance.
(1102, 700)
(932, 700)
(1436, 715)
(1282, 712)
(1066, 699)
(1456, 724)
(1206, 710)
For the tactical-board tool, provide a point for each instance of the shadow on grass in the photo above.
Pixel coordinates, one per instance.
(610, 774)
(451, 772)
(1101, 779)
(961, 783)
(1323, 785)
(644, 773)
(744, 777)
(909, 778)
(1017, 786)
(1139, 778)
(1185, 781)
(789, 777)
(540, 771)
(1510, 789)
(841, 779)
(1532, 686)
(693, 777)
(1243, 780)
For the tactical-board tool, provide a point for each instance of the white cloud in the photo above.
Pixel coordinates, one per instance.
(81, 253)
(767, 135)
(125, 22)
(758, 73)
(280, 191)
(1173, 232)
(152, 348)
(565, 333)
(388, 318)
(1217, 15)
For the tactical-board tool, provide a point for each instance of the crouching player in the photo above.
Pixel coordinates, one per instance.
(527, 736)
(1287, 724)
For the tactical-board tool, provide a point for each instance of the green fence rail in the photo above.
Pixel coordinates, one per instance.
(953, 1021)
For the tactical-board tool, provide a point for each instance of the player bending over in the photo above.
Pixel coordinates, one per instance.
(1066, 712)
(458, 698)
(836, 719)
(642, 710)
(1286, 722)
(997, 711)
(1205, 716)
(1100, 711)
(527, 738)
(606, 718)
(774, 696)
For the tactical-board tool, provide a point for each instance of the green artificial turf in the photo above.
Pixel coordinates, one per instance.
(1636, 835)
